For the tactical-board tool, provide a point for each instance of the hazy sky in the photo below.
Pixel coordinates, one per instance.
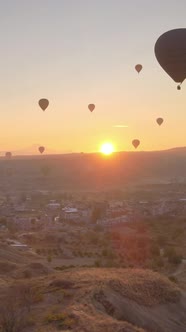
(76, 52)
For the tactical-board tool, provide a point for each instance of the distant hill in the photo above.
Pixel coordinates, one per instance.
(93, 171)
(30, 150)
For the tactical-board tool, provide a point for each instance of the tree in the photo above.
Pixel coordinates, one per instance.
(97, 263)
(33, 221)
(96, 215)
(3, 221)
(173, 256)
(105, 252)
(93, 238)
(98, 228)
(49, 259)
(161, 240)
(155, 250)
(15, 306)
(13, 316)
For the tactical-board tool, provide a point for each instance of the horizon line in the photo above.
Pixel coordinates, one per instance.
(86, 153)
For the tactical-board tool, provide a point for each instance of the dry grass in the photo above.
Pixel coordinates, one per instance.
(143, 286)
(89, 322)
(6, 267)
(107, 300)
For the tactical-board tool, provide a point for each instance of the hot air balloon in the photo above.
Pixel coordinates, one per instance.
(43, 103)
(136, 143)
(170, 51)
(41, 149)
(91, 107)
(138, 68)
(159, 121)
(8, 155)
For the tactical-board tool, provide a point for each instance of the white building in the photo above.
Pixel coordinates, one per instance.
(54, 206)
(70, 213)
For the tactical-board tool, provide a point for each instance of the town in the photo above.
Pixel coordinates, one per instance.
(61, 227)
(40, 210)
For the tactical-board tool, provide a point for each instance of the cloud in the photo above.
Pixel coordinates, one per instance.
(120, 126)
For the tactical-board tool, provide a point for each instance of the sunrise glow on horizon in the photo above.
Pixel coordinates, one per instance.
(107, 148)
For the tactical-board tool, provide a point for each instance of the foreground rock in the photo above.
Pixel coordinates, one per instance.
(122, 300)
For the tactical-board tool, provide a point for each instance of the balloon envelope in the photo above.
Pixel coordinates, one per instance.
(43, 103)
(170, 51)
(138, 68)
(159, 121)
(91, 107)
(41, 149)
(136, 143)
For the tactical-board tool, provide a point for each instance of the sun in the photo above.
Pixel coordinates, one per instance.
(107, 148)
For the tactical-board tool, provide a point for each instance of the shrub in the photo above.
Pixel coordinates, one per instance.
(159, 262)
(27, 294)
(12, 318)
(177, 233)
(161, 240)
(105, 252)
(13, 312)
(61, 320)
(61, 284)
(110, 264)
(49, 259)
(173, 256)
(155, 250)
(97, 263)
(61, 294)
(27, 274)
(173, 279)
(60, 268)
(176, 259)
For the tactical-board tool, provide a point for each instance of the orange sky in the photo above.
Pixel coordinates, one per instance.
(76, 53)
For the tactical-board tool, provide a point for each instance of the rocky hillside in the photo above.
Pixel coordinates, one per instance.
(107, 300)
